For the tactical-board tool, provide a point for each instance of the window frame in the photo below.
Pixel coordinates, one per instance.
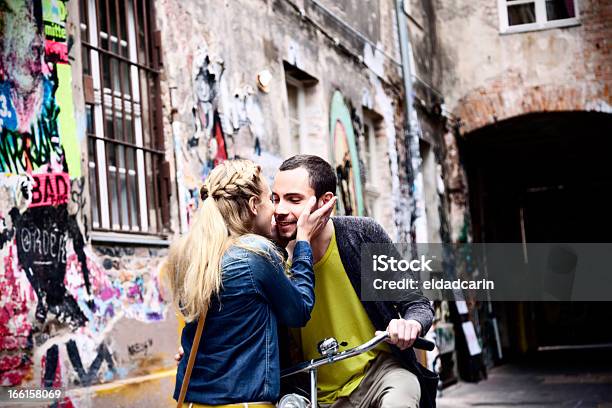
(138, 151)
(370, 155)
(541, 23)
(300, 109)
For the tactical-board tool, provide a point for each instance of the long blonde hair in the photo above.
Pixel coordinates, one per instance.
(193, 267)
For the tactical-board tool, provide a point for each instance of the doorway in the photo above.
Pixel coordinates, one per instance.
(544, 177)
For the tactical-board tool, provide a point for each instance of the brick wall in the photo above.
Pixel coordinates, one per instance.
(491, 76)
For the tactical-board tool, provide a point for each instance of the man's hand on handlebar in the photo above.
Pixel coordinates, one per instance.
(402, 332)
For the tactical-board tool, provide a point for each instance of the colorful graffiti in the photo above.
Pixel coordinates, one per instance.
(58, 297)
(225, 126)
(345, 157)
(41, 235)
(207, 146)
(35, 168)
(206, 76)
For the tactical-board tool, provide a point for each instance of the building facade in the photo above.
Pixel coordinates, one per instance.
(527, 84)
(112, 113)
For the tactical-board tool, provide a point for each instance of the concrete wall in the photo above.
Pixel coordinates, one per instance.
(490, 76)
(238, 40)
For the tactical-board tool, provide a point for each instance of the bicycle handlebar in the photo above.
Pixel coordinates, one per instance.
(423, 344)
(419, 343)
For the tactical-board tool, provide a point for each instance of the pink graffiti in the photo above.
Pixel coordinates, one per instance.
(12, 342)
(104, 293)
(57, 50)
(9, 362)
(15, 377)
(14, 325)
(50, 189)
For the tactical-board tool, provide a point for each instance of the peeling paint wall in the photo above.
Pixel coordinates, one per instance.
(253, 121)
(427, 125)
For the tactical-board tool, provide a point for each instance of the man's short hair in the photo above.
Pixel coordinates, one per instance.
(321, 174)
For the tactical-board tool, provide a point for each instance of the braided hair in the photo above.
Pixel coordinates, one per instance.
(193, 267)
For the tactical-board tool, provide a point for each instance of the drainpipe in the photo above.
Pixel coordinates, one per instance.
(411, 137)
(406, 51)
(411, 129)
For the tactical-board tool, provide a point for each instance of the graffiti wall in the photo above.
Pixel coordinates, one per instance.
(206, 147)
(224, 125)
(59, 297)
(345, 157)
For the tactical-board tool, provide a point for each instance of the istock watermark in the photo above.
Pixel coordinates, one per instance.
(502, 272)
(383, 263)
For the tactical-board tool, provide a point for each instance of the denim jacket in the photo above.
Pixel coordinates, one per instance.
(238, 357)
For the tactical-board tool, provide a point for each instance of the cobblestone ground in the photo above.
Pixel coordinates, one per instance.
(557, 380)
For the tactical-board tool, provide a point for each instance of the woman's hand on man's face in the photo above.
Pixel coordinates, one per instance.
(312, 220)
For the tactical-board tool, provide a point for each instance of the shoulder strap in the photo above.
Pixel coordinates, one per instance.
(192, 357)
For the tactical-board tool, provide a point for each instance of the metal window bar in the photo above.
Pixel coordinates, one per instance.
(116, 204)
(102, 147)
(93, 167)
(131, 164)
(129, 97)
(122, 173)
(135, 50)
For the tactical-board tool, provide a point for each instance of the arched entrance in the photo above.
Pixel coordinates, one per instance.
(544, 177)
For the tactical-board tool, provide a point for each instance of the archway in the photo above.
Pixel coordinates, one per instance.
(544, 177)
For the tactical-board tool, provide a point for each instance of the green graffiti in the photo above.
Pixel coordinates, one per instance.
(54, 18)
(345, 157)
(67, 123)
(54, 11)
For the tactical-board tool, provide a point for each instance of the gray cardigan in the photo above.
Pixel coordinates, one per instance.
(351, 233)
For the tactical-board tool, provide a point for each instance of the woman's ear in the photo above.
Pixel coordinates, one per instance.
(253, 201)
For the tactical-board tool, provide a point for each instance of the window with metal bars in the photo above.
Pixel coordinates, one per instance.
(128, 177)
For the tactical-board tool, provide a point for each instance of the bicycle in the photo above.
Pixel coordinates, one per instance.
(329, 350)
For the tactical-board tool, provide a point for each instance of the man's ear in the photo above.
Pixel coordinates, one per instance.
(253, 201)
(324, 199)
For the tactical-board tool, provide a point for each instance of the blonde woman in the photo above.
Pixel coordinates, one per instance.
(227, 265)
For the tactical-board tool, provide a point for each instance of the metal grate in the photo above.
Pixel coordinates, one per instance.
(127, 172)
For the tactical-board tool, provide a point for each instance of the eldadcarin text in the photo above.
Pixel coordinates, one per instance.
(433, 284)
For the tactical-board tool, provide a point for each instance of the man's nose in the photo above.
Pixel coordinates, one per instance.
(280, 209)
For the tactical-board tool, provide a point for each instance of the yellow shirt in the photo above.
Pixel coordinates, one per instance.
(338, 313)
